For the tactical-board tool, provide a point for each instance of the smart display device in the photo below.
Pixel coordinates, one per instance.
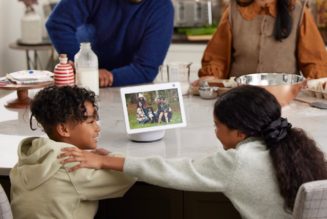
(151, 109)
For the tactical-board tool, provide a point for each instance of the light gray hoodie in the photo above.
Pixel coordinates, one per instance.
(41, 187)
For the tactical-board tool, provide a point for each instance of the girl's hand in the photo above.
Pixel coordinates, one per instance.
(86, 159)
(101, 151)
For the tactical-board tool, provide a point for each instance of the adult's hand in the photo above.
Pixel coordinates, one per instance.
(106, 78)
(29, 2)
(197, 83)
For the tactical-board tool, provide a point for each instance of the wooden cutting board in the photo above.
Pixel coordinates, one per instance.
(198, 37)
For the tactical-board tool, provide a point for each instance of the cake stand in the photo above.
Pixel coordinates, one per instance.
(22, 100)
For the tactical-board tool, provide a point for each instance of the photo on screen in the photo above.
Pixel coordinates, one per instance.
(153, 107)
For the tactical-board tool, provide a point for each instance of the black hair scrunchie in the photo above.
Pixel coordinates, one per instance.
(276, 131)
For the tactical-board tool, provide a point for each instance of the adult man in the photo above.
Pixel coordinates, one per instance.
(130, 37)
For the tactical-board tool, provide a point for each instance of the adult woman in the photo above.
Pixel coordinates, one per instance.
(265, 36)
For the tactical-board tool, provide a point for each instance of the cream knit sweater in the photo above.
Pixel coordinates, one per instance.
(245, 175)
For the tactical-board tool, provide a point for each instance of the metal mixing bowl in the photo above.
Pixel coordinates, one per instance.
(285, 87)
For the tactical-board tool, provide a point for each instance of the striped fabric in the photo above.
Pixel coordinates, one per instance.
(311, 201)
(5, 210)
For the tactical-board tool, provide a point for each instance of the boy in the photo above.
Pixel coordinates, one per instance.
(41, 186)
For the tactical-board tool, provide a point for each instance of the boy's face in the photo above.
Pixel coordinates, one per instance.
(84, 135)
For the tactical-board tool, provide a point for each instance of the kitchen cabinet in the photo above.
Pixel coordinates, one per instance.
(199, 205)
(144, 201)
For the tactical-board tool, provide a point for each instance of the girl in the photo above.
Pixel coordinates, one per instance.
(264, 162)
(265, 36)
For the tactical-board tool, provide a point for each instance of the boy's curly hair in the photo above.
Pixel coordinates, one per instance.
(54, 105)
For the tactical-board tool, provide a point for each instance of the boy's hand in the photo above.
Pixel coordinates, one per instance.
(86, 159)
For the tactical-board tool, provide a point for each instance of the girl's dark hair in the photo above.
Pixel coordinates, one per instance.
(54, 105)
(283, 24)
(257, 113)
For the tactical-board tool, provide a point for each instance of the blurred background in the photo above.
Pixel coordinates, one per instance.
(11, 13)
(195, 22)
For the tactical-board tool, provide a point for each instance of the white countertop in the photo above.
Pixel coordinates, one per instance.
(196, 140)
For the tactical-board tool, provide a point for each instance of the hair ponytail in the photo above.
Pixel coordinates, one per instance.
(283, 23)
(297, 160)
(276, 131)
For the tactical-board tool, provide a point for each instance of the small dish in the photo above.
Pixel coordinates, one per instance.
(208, 92)
(220, 85)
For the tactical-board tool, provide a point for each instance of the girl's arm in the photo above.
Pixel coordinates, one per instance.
(213, 173)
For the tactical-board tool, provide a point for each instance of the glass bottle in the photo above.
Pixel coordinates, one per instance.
(63, 72)
(86, 66)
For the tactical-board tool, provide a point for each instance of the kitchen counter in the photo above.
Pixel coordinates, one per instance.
(14, 126)
(145, 201)
(196, 140)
